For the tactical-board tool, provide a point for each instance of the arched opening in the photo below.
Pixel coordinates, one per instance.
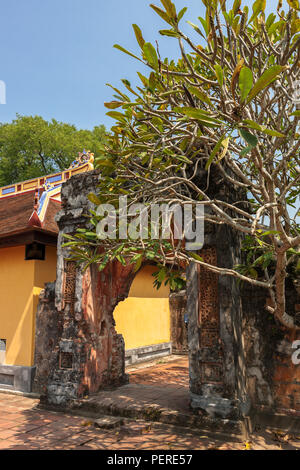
(149, 320)
(144, 318)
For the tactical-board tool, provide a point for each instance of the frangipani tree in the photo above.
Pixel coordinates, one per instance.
(231, 103)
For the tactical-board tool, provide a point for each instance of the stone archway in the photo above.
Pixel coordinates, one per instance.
(79, 351)
(86, 351)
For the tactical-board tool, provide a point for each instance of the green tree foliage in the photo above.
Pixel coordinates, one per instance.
(229, 104)
(31, 147)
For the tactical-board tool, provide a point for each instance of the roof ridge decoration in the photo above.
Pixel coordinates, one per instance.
(34, 220)
(83, 157)
(50, 191)
(84, 162)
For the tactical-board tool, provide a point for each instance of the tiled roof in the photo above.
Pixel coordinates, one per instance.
(49, 221)
(31, 206)
(17, 214)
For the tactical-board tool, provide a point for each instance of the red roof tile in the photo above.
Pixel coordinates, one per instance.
(49, 221)
(17, 214)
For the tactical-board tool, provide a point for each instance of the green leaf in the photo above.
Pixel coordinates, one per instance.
(253, 273)
(169, 7)
(91, 234)
(128, 86)
(150, 55)
(214, 152)
(161, 13)
(138, 35)
(270, 20)
(252, 124)
(137, 259)
(219, 74)
(245, 82)
(104, 263)
(296, 113)
(225, 144)
(125, 97)
(94, 199)
(266, 79)
(117, 46)
(195, 256)
(202, 96)
(246, 150)
(249, 138)
(183, 158)
(169, 32)
(113, 104)
(69, 244)
(204, 24)
(258, 7)
(236, 6)
(259, 260)
(162, 274)
(270, 232)
(143, 79)
(106, 163)
(68, 237)
(116, 115)
(294, 4)
(265, 130)
(273, 133)
(195, 27)
(181, 13)
(199, 114)
(152, 81)
(295, 26)
(121, 259)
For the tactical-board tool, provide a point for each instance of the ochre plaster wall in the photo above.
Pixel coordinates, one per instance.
(144, 317)
(20, 284)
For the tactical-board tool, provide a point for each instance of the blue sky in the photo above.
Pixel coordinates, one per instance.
(58, 55)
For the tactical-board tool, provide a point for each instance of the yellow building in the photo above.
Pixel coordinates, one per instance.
(27, 262)
(28, 238)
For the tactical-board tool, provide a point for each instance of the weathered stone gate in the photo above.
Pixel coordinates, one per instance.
(78, 350)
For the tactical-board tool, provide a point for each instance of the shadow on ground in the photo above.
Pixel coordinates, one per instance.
(24, 425)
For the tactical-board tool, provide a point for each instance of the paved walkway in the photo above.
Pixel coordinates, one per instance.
(173, 371)
(23, 425)
(165, 383)
(157, 389)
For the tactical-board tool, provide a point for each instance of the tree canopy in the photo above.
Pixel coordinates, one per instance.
(31, 146)
(231, 106)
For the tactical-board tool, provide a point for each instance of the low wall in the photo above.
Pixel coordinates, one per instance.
(147, 353)
(273, 379)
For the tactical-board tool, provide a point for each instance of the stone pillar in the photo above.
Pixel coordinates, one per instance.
(48, 332)
(86, 353)
(179, 334)
(214, 310)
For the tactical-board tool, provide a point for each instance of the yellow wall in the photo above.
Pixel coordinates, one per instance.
(20, 284)
(144, 317)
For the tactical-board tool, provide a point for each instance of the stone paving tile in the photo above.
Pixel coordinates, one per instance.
(25, 426)
(141, 396)
(172, 371)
